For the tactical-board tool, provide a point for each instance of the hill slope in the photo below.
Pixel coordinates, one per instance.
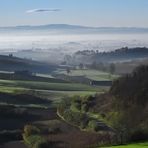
(10, 63)
(119, 55)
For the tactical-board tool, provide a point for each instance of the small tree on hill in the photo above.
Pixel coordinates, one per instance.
(68, 70)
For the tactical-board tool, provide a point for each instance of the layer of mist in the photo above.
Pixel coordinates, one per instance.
(30, 42)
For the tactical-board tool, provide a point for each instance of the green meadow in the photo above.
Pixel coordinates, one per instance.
(135, 145)
(90, 74)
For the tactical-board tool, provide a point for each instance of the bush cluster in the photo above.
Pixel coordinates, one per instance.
(33, 139)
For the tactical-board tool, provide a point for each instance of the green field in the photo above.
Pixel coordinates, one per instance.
(54, 90)
(51, 91)
(135, 145)
(48, 86)
(10, 89)
(90, 74)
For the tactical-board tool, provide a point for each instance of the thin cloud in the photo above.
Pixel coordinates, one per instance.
(42, 10)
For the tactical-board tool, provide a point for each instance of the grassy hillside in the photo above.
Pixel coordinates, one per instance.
(30, 99)
(123, 109)
(51, 91)
(29, 77)
(10, 63)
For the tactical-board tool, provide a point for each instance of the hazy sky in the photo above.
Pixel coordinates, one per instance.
(82, 12)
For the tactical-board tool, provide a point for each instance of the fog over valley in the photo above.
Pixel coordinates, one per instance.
(66, 39)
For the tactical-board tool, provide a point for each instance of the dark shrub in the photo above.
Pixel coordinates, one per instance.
(139, 136)
(54, 130)
(93, 125)
(31, 130)
(43, 143)
(85, 108)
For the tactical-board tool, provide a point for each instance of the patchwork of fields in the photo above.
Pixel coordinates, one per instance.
(40, 103)
(52, 91)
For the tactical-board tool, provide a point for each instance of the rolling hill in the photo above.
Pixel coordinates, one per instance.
(10, 63)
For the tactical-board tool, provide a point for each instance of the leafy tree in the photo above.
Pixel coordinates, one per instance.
(131, 101)
(85, 107)
(94, 65)
(81, 66)
(68, 70)
(31, 130)
(93, 125)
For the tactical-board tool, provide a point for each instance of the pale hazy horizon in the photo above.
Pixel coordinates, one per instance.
(15, 41)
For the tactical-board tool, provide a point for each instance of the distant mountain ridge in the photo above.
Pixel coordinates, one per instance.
(79, 27)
